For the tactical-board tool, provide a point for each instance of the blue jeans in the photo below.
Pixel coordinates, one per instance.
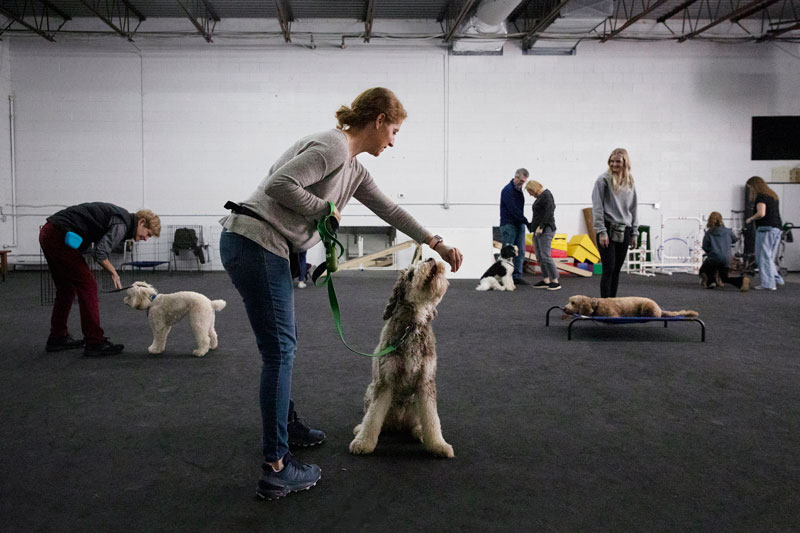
(264, 281)
(768, 239)
(515, 234)
(542, 244)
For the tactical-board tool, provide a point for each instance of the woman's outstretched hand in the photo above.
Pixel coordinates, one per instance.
(451, 255)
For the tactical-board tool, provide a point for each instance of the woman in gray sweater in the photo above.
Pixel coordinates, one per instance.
(279, 218)
(615, 220)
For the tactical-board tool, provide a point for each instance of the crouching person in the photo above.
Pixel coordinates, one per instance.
(717, 243)
(106, 226)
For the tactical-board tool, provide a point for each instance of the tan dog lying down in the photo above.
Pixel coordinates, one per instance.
(632, 306)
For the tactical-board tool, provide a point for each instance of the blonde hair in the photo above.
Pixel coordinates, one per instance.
(625, 179)
(534, 186)
(759, 186)
(151, 221)
(715, 220)
(367, 106)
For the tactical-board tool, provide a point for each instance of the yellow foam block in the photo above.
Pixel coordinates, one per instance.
(559, 241)
(529, 239)
(583, 249)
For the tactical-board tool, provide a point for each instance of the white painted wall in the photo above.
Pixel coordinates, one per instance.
(6, 222)
(182, 129)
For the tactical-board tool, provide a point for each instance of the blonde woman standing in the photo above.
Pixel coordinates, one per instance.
(615, 219)
(543, 227)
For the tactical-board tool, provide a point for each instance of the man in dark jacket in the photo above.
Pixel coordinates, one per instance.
(513, 221)
(106, 226)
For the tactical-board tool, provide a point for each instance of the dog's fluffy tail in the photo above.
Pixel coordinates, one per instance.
(218, 305)
(683, 312)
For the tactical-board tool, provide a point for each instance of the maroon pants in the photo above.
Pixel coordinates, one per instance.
(72, 277)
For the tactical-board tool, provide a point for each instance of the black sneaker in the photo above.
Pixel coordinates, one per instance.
(302, 435)
(58, 344)
(294, 477)
(554, 286)
(521, 281)
(103, 349)
(542, 285)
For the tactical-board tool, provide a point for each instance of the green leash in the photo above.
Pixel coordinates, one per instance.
(327, 227)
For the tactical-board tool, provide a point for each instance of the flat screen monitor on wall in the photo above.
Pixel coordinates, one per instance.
(775, 138)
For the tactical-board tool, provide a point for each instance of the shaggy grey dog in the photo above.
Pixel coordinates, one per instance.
(165, 310)
(402, 394)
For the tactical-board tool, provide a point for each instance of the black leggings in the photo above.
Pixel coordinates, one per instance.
(613, 257)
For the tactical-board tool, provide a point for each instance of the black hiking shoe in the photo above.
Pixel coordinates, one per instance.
(294, 477)
(541, 285)
(302, 435)
(59, 344)
(103, 349)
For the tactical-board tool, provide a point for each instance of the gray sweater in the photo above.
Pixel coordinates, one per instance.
(295, 194)
(619, 207)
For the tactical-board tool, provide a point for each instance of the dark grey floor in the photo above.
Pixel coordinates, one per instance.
(624, 428)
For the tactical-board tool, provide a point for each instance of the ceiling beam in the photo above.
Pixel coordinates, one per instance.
(369, 15)
(747, 13)
(203, 9)
(771, 34)
(122, 12)
(633, 20)
(285, 18)
(462, 13)
(663, 18)
(736, 12)
(40, 24)
(544, 22)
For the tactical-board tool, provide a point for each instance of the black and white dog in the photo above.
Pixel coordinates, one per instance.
(499, 276)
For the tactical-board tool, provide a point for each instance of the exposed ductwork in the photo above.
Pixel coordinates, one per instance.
(485, 32)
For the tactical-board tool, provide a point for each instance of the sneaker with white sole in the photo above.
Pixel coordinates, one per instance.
(554, 286)
(541, 285)
(762, 288)
(295, 476)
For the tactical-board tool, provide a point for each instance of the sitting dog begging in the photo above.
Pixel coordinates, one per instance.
(165, 310)
(402, 394)
(499, 277)
(631, 306)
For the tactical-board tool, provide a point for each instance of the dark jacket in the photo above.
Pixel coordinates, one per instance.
(543, 212)
(717, 245)
(93, 221)
(512, 206)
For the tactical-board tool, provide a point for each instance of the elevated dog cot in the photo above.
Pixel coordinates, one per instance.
(626, 320)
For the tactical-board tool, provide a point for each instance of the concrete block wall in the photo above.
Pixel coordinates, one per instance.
(181, 129)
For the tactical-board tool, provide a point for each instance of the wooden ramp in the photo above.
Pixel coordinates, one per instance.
(530, 256)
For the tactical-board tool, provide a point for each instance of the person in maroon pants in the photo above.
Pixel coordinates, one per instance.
(106, 226)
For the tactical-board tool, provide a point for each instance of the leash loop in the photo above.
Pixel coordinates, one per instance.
(327, 227)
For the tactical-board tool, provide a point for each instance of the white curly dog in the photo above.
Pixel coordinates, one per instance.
(166, 310)
(402, 394)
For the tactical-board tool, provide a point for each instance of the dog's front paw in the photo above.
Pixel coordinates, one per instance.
(199, 353)
(357, 429)
(442, 449)
(361, 447)
(154, 349)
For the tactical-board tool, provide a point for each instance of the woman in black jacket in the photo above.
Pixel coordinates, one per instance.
(543, 227)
